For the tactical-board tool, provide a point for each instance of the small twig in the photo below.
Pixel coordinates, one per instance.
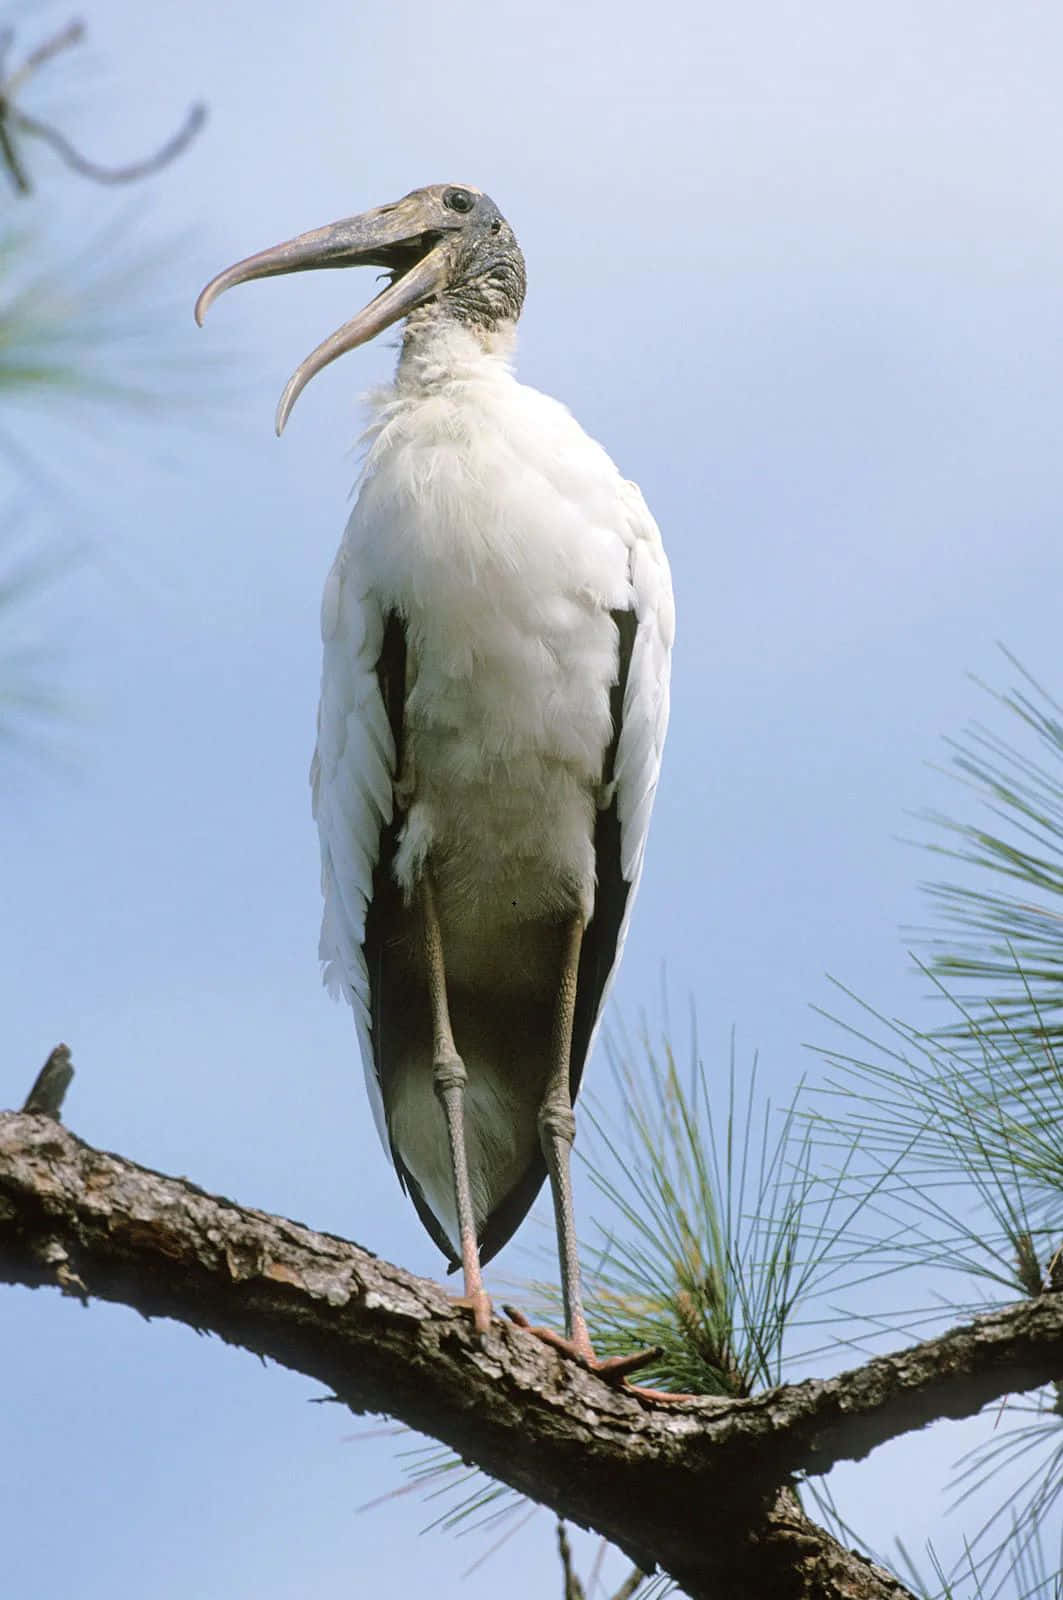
(11, 159)
(573, 1587)
(73, 33)
(67, 152)
(50, 1085)
(11, 118)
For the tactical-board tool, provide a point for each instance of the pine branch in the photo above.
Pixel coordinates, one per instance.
(701, 1490)
(13, 118)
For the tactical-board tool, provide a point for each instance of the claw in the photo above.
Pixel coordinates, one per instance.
(613, 1369)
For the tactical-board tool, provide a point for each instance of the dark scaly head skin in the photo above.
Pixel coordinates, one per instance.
(447, 248)
(487, 281)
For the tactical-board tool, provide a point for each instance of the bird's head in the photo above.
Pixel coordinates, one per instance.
(447, 245)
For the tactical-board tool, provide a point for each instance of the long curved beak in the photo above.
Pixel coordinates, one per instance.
(385, 238)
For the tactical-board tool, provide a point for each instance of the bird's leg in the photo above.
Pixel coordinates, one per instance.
(449, 1078)
(557, 1131)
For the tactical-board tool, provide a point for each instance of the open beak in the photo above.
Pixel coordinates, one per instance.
(401, 238)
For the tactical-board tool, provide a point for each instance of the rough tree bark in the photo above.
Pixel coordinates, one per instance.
(701, 1489)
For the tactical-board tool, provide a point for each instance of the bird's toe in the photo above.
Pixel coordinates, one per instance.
(613, 1369)
(479, 1303)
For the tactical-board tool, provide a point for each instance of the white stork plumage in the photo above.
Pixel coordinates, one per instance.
(497, 631)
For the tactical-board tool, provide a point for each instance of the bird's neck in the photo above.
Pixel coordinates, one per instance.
(436, 349)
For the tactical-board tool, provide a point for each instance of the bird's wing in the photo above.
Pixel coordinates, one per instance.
(640, 699)
(639, 702)
(352, 778)
(359, 751)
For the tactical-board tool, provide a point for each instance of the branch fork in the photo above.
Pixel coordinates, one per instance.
(642, 1474)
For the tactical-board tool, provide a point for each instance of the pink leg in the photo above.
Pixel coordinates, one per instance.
(449, 1078)
(557, 1130)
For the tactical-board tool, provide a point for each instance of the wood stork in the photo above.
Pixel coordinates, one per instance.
(497, 632)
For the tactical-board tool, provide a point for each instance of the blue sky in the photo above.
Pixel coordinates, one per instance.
(798, 268)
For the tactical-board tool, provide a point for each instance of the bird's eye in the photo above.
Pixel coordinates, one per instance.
(458, 200)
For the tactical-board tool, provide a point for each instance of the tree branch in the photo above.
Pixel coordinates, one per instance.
(11, 117)
(133, 171)
(700, 1489)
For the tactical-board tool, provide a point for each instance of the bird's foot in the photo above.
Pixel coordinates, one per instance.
(478, 1301)
(613, 1369)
